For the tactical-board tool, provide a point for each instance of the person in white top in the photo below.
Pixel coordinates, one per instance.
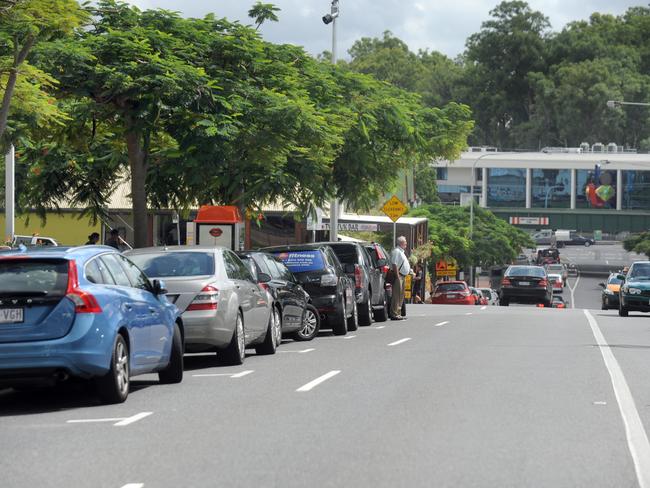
(401, 267)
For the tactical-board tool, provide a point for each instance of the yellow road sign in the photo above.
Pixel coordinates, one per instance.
(445, 268)
(394, 208)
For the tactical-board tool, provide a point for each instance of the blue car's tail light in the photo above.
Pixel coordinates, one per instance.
(84, 302)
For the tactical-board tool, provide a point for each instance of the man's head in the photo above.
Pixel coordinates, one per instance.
(401, 242)
(115, 232)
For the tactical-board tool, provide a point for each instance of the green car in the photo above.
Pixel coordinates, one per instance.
(635, 289)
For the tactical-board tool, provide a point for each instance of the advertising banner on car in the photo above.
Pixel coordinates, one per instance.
(302, 261)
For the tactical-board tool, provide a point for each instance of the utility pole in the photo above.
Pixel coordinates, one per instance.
(334, 204)
(10, 190)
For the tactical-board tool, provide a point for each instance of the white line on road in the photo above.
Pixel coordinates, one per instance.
(131, 420)
(401, 341)
(349, 337)
(318, 381)
(304, 351)
(572, 289)
(121, 421)
(483, 307)
(440, 324)
(133, 485)
(380, 327)
(468, 313)
(637, 439)
(231, 375)
(242, 374)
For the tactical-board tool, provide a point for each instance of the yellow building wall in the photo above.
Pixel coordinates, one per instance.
(66, 228)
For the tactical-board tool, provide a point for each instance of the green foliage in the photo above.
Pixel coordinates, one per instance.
(638, 243)
(261, 12)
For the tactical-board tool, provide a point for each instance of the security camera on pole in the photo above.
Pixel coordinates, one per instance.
(334, 204)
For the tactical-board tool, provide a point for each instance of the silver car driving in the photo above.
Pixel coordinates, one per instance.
(223, 309)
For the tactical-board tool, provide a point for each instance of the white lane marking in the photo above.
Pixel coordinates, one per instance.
(131, 420)
(349, 337)
(600, 403)
(440, 324)
(483, 307)
(133, 485)
(304, 351)
(637, 439)
(314, 383)
(88, 421)
(401, 341)
(380, 327)
(468, 313)
(242, 374)
(572, 289)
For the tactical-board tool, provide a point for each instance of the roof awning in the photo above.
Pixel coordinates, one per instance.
(222, 214)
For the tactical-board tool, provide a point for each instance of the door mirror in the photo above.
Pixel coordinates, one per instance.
(349, 268)
(621, 277)
(263, 278)
(381, 263)
(159, 287)
(602, 285)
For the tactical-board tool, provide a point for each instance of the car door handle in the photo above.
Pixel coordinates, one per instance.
(153, 310)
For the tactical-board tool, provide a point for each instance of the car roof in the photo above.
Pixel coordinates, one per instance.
(296, 247)
(75, 252)
(162, 249)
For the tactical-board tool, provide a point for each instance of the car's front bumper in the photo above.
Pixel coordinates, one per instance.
(611, 300)
(639, 303)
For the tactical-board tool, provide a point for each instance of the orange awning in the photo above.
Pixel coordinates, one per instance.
(221, 214)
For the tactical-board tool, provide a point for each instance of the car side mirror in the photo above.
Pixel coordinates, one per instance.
(159, 287)
(621, 277)
(263, 278)
(349, 268)
(381, 263)
(602, 285)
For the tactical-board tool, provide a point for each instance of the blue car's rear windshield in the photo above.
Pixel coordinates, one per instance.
(170, 264)
(38, 276)
(302, 261)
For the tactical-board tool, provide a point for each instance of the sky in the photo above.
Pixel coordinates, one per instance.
(436, 25)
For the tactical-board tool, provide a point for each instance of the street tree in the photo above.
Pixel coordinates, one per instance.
(261, 12)
(638, 243)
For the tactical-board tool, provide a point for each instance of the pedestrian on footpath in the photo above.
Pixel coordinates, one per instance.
(114, 239)
(92, 239)
(401, 267)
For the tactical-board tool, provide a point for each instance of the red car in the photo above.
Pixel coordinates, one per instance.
(453, 293)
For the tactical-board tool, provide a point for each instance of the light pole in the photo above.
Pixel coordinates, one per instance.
(334, 204)
(618, 103)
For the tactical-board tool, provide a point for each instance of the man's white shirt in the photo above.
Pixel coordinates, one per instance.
(398, 258)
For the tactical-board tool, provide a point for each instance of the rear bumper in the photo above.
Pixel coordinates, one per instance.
(524, 295)
(85, 352)
(207, 328)
(447, 301)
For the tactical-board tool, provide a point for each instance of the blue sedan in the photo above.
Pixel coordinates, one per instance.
(85, 312)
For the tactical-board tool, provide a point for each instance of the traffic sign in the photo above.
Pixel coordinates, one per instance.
(394, 208)
(445, 268)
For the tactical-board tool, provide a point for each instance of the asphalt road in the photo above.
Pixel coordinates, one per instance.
(453, 397)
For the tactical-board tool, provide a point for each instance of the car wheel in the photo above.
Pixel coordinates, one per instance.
(235, 353)
(587, 243)
(270, 343)
(340, 326)
(504, 303)
(173, 373)
(310, 325)
(113, 387)
(603, 306)
(365, 314)
(623, 311)
(381, 315)
(353, 321)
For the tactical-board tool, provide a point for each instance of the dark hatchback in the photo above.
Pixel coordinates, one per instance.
(321, 274)
(288, 294)
(525, 284)
(381, 261)
(368, 279)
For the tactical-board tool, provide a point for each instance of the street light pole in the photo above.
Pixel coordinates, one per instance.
(471, 210)
(334, 204)
(10, 163)
(618, 103)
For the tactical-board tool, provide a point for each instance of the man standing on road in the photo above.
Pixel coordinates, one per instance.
(401, 267)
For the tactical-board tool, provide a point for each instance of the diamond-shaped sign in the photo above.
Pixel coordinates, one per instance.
(394, 208)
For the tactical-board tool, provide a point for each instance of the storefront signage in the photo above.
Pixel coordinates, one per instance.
(529, 220)
(352, 227)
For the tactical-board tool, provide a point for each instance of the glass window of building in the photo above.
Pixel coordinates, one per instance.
(441, 174)
(596, 188)
(551, 188)
(636, 190)
(506, 187)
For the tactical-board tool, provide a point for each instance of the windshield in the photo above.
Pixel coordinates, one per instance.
(302, 261)
(613, 280)
(450, 287)
(25, 276)
(526, 271)
(171, 264)
(640, 271)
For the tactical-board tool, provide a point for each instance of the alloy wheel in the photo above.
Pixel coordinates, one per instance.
(122, 367)
(241, 340)
(277, 327)
(309, 324)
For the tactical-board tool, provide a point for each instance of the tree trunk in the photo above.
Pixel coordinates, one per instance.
(19, 58)
(138, 164)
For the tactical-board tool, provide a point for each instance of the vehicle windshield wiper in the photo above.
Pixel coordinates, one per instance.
(33, 293)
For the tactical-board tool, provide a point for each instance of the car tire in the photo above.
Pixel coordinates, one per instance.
(587, 244)
(353, 321)
(340, 325)
(603, 306)
(623, 311)
(504, 303)
(270, 343)
(381, 315)
(113, 387)
(173, 373)
(235, 353)
(310, 326)
(365, 314)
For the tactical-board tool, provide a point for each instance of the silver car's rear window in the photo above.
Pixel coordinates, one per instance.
(170, 264)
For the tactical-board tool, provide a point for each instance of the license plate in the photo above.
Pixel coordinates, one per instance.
(524, 283)
(11, 315)
(452, 295)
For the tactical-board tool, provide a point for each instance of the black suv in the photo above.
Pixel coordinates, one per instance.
(368, 279)
(321, 274)
(525, 284)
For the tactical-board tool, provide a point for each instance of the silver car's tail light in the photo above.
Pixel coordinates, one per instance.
(207, 299)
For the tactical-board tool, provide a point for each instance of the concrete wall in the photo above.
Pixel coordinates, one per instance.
(66, 227)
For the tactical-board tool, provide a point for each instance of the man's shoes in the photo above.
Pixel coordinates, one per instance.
(397, 317)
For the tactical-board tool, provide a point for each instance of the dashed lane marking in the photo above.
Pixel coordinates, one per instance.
(440, 324)
(314, 383)
(349, 337)
(380, 327)
(241, 374)
(401, 341)
(483, 307)
(119, 421)
(134, 485)
(304, 351)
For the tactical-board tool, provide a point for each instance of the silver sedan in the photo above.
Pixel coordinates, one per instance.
(223, 309)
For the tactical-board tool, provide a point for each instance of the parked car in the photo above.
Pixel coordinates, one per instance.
(525, 284)
(478, 296)
(34, 241)
(558, 302)
(368, 280)
(490, 295)
(634, 295)
(558, 268)
(611, 289)
(381, 260)
(556, 282)
(452, 293)
(85, 312)
(578, 240)
(223, 308)
(321, 274)
(298, 318)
